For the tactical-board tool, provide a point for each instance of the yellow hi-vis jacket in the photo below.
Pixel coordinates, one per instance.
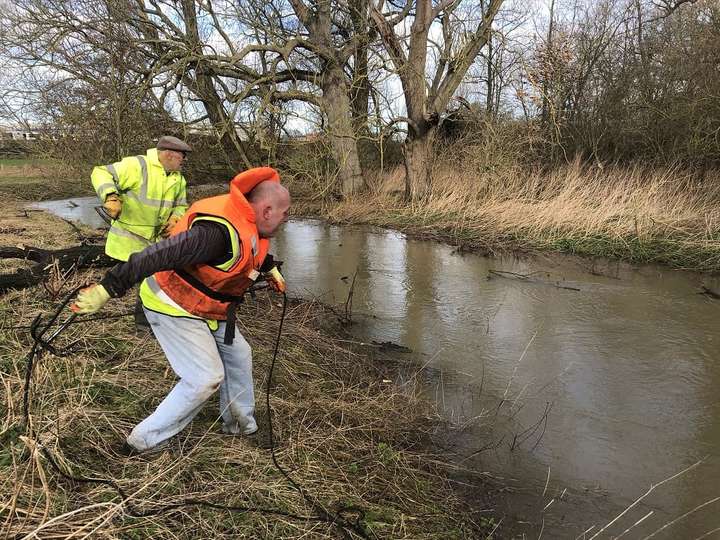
(149, 197)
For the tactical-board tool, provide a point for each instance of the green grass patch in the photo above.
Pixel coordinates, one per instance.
(19, 162)
(42, 188)
(676, 253)
(35, 179)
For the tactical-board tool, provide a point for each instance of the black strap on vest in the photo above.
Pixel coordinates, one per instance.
(230, 323)
(220, 297)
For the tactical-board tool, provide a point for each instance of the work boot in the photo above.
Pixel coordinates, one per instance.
(132, 447)
(235, 429)
(246, 426)
(128, 450)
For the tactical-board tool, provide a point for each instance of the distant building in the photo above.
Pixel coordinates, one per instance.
(13, 133)
(210, 131)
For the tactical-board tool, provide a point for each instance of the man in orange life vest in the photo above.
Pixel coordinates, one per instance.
(191, 283)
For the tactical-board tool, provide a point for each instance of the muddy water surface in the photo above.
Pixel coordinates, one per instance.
(599, 380)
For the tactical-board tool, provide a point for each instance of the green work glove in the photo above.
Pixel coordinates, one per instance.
(90, 299)
(275, 280)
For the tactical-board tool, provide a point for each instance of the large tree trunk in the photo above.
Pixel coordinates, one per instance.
(224, 125)
(410, 60)
(203, 86)
(336, 92)
(418, 159)
(360, 90)
(340, 131)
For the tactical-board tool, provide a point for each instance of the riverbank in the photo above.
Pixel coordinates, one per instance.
(347, 430)
(662, 216)
(304, 241)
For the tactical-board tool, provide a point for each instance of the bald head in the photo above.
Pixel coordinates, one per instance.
(267, 190)
(271, 203)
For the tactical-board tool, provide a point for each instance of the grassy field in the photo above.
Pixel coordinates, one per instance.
(39, 180)
(349, 438)
(20, 162)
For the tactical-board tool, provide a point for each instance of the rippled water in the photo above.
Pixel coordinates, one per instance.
(626, 360)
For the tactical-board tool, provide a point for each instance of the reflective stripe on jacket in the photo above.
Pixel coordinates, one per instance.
(149, 197)
(228, 280)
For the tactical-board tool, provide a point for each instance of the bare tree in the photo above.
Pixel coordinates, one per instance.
(163, 46)
(96, 79)
(498, 63)
(427, 97)
(320, 18)
(628, 79)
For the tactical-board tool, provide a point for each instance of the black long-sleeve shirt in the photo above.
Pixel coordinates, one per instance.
(206, 242)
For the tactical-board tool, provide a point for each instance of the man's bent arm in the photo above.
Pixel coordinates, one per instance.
(205, 242)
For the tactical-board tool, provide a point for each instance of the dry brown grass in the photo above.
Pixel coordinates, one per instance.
(645, 215)
(24, 226)
(345, 433)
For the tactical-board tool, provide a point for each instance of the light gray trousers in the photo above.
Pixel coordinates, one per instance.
(203, 364)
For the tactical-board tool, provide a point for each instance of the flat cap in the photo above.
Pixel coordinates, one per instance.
(168, 142)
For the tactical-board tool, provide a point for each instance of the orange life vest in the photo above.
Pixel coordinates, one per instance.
(211, 292)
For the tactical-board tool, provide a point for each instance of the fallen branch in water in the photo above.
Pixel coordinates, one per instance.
(526, 278)
(709, 292)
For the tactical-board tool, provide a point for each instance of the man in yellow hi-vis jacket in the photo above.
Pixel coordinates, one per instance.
(144, 195)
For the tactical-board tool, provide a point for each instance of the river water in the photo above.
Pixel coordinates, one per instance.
(582, 385)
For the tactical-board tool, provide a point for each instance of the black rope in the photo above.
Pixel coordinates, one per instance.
(38, 331)
(334, 519)
(36, 352)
